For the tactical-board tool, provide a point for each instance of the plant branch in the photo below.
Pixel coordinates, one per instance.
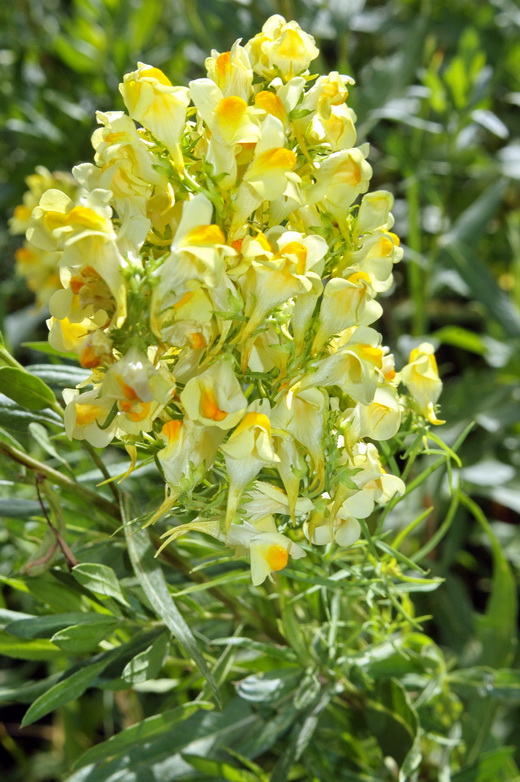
(70, 559)
(53, 475)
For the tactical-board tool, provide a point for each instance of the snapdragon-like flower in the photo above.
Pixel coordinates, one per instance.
(220, 263)
(39, 266)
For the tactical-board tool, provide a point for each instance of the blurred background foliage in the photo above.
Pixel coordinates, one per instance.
(437, 96)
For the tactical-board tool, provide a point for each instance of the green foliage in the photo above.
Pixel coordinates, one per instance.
(395, 659)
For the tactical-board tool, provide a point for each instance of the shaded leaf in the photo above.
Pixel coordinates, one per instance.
(66, 690)
(100, 579)
(21, 649)
(135, 734)
(146, 665)
(13, 416)
(25, 389)
(46, 626)
(394, 723)
(59, 376)
(84, 637)
(19, 508)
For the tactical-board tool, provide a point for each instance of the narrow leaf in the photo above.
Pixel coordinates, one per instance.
(45, 626)
(19, 508)
(25, 389)
(150, 575)
(17, 418)
(64, 691)
(147, 664)
(459, 249)
(83, 637)
(100, 579)
(159, 723)
(37, 649)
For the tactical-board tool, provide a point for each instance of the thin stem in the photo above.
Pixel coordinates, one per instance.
(98, 461)
(70, 559)
(10, 360)
(416, 275)
(441, 532)
(61, 480)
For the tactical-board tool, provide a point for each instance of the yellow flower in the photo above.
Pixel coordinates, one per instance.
(264, 499)
(421, 377)
(125, 163)
(281, 98)
(140, 390)
(230, 121)
(355, 367)
(302, 414)
(336, 131)
(346, 303)
(269, 175)
(152, 100)
(85, 235)
(286, 272)
(375, 485)
(269, 550)
(248, 449)
(340, 178)
(326, 93)
(214, 397)
(83, 413)
(67, 337)
(380, 420)
(198, 252)
(328, 524)
(95, 350)
(281, 49)
(188, 453)
(38, 183)
(231, 71)
(374, 212)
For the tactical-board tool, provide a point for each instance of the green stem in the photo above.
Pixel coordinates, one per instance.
(441, 532)
(10, 360)
(98, 461)
(61, 480)
(416, 274)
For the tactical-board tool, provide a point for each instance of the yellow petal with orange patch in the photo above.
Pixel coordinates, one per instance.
(271, 104)
(230, 113)
(172, 429)
(276, 557)
(253, 419)
(273, 160)
(209, 407)
(155, 73)
(205, 235)
(87, 414)
(374, 355)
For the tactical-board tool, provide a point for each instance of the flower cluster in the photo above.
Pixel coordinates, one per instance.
(38, 266)
(220, 274)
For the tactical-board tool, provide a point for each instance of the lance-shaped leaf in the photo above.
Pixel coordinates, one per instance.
(151, 577)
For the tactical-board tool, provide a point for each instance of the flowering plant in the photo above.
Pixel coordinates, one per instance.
(220, 270)
(219, 277)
